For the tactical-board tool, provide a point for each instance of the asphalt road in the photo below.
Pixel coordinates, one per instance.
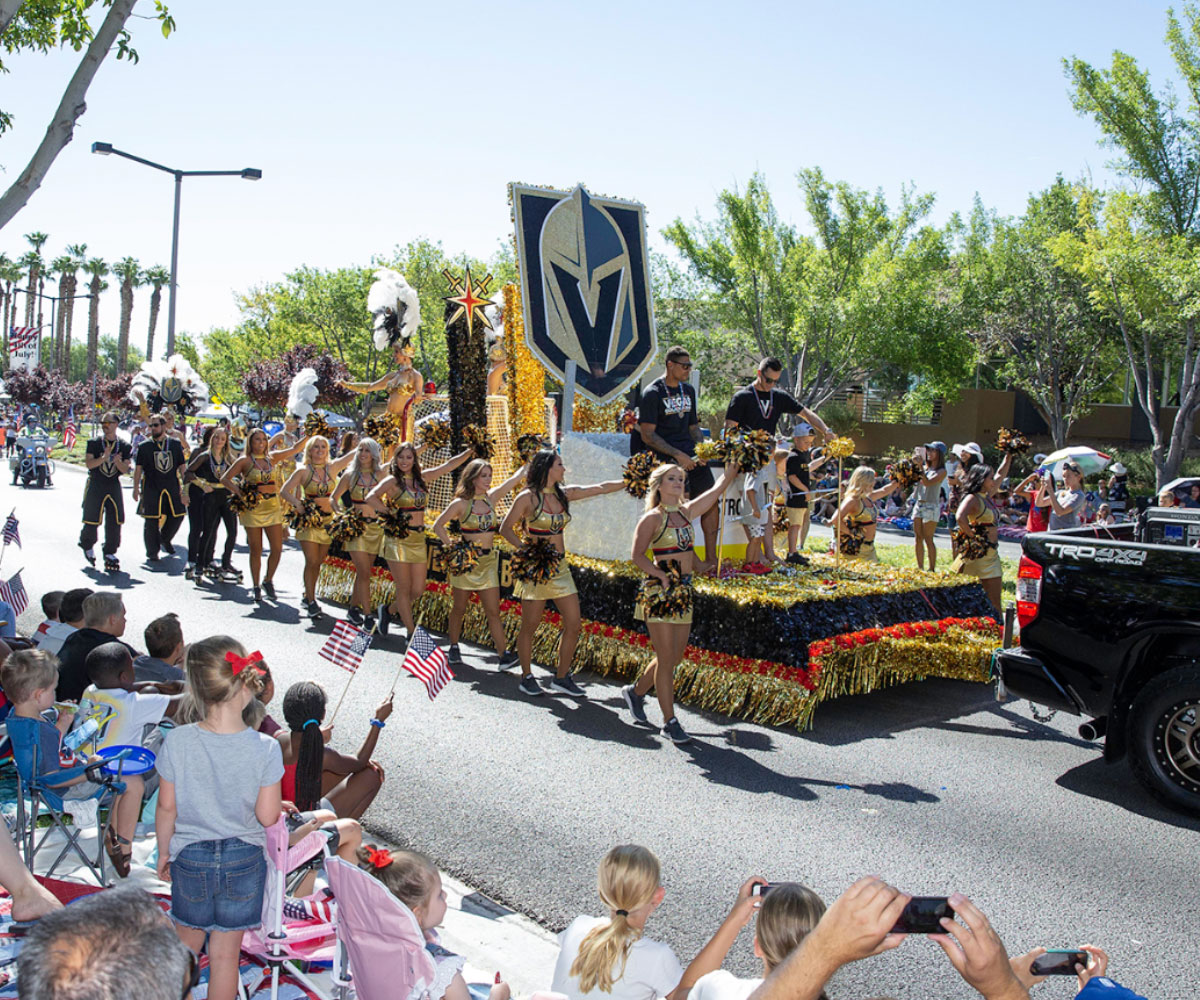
(934, 786)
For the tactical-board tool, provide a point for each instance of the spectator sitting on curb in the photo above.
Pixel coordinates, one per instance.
(70, 619)
(103, 621)
(51, 603)
(163, 660)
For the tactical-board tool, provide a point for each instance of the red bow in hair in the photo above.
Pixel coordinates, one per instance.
(240, 663)
(378, 857)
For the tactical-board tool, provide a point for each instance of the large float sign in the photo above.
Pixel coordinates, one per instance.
(585, 286)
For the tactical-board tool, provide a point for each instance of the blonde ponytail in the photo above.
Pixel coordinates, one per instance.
(628, 878)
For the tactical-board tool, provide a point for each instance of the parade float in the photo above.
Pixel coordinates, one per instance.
(768, 648)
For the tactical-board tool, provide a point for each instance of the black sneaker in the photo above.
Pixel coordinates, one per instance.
(454, 656)
(230, 575)
(313, 610)
(355, 616)
(89, 555)
(508, 660)
(566, 685)
(369, 623)
(189, 572)
(384, 616)
(530, 686)
(675, 732)
(167, 548)
(269, 587)
(636, 703)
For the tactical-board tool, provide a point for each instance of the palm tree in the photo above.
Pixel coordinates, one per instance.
(130, 272)
(61, 266)
(78, 253)
(156, 276)
(33, 260)
(97, 269)
(10, 274)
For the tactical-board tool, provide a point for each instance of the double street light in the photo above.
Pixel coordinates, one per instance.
(246, 173)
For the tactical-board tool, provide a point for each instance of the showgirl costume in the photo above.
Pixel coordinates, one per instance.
(411, 548)
(314, 489)
(543, 524)
(269, 510)
(371, 540)
(985, 567)
(866, 517)
(674, 538)
(485, 574)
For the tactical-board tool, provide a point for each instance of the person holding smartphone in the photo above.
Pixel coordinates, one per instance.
(1066, 504)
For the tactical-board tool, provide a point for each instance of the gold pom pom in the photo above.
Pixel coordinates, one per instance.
(529, 445)
(637, 473)
(906, 472)
(311, 516)
(249, 499)
(459, 558)
(315, 425)
(478, 440)
(710, 451)
(971, 544)
(851, 539)
(395, 523)
(750, 450)
(385, 430)
(434, 435)
(347, 524)
(840, 447)
(536, 561)
(1012, 442)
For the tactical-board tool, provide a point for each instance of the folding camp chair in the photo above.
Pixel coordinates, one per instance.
(284, 943)
(384, 945)
(22, 733)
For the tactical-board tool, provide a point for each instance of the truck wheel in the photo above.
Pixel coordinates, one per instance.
(1164, 737)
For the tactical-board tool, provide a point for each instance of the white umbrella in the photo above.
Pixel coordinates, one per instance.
(1089, 460)
(1185, 483)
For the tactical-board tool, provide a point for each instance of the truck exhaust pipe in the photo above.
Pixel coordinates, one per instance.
(1094, 730)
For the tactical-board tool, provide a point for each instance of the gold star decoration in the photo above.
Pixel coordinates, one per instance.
(470, 298)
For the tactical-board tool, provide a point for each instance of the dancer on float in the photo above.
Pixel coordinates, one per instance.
(356, 484)
(314, 480)
(406, 490)
(665, 529)
(545, 511)
(474, 507)
(857, 513)
(209, 508)
(977, 516)
(928, 494)
(257, 470)
(158, 466)
(107, 457)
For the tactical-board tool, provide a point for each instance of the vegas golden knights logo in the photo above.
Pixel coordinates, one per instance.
(163, 461)
(585, 286)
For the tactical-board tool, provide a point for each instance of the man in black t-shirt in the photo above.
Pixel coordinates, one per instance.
(107, 458)
(669, 423)
(759, 406)
(798, 476)
(160, 461)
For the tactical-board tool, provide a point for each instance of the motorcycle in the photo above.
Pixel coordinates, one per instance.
(32, 465)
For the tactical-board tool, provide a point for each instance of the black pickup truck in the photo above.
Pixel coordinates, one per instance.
(1110, 630)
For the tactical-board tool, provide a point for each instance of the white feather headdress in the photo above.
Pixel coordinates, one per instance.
(173, 382)
(396, 308)
(302, 393)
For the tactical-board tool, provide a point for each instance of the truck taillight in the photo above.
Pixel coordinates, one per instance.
(1029, 590)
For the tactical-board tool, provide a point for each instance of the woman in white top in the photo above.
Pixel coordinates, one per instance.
(607, 957)
(787, 914)
(928, 494)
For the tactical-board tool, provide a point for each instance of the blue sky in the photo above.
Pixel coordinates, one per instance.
(380, 122)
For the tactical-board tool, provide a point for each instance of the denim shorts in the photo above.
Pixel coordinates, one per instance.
(217, 885)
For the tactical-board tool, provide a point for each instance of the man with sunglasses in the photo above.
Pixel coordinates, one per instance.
(107, 458)
(160, 462)
(669, 423)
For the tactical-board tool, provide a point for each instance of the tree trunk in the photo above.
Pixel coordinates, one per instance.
(8, 10)
(60, 324)
(6, 302)
(1167, 466)
(62, 127)
(123, 333)
(93, 326)
(68, 308)
(31, 295)
(155, 302)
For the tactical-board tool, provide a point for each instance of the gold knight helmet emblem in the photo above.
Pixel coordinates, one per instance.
(587, 276)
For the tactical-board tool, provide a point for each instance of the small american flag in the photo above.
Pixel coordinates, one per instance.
(427, 663)
(346, 646)
(70, 431)
(13, 592)
(12, 532)
(21, 337)
(317, 907)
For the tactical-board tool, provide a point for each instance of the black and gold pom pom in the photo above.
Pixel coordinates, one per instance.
(478, 440)
(637, 473)
(347, 524)
(459, 558)
(750, 450)
(852, 538)
(673, 601)
(711, 451)
(536, 561)
(396, 523)
(1012, 442)
(906, 472)
(971, 545)
(310, 517)
(385, 429)
(249, 499)
(315, 425)
(529, 445)
(434, 435)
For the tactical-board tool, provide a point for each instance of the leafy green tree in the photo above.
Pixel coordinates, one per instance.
(157, 277)
(1031, 314)
(47, 25)
(97, 269)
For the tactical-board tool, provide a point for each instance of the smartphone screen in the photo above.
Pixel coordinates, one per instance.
(1058, 962)
(759, 889)
(923, 914)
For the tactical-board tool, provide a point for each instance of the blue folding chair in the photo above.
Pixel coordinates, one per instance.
(32, 782)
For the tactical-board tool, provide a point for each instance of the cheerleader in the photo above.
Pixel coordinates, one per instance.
(545, 511)
(977, 519)
(405, 491)
(666, 530)
(356, 484)
(314, 480)
(257, 470)
(854, 522)
(474, 507)
(209, 508)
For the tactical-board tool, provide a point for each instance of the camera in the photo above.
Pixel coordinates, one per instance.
(923, 915)
(1058, 962)
(760, 888)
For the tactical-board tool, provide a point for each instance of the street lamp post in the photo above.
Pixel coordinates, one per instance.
(246, 173)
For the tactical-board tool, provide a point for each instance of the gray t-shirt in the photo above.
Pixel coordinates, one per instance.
(217, 777)
(151, 668)
(1076, 501)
